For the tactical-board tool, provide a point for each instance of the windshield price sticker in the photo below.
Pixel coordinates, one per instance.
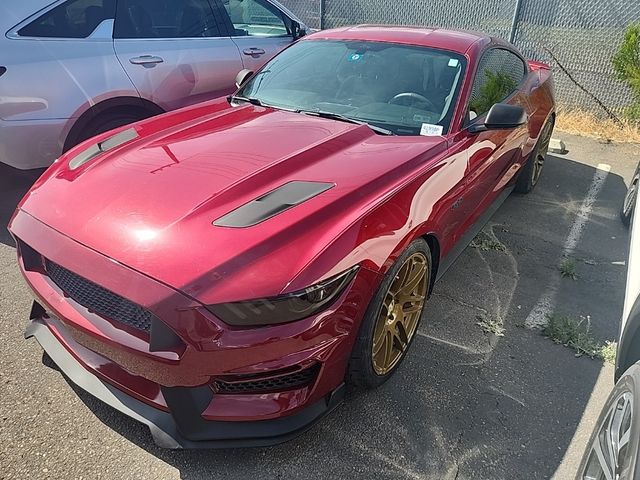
(453, 62)
(429, 130)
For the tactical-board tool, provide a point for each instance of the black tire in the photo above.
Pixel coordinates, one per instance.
(627, 458)
(361, 373)
(626, 212)
(110, 120)
(531, 172)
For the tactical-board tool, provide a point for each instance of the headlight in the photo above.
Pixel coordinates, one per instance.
(286, 308)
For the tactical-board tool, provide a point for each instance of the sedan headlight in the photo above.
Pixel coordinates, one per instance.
(286, 308)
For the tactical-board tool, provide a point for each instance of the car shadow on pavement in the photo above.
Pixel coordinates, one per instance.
(465, 404)
(13, 186)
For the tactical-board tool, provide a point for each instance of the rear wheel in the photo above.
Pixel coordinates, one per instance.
(630, 199)
(530, 174)
(392, 318)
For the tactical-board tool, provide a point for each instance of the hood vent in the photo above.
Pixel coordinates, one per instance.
(273, 203)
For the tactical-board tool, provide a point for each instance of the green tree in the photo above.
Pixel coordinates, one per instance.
(626, 63)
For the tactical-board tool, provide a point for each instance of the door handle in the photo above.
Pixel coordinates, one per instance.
(146, 60)
(253, 51)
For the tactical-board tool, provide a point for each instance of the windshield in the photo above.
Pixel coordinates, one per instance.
(406, 90)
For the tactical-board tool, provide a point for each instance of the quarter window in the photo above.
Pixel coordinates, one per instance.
(499, 74)
(72, 19)
(165, 19)
(256, 18)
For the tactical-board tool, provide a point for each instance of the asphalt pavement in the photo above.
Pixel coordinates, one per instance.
(465, 404)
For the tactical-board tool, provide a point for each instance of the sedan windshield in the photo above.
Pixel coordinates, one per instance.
(396, 89)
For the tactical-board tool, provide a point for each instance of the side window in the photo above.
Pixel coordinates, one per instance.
(165, 19)
(72, 19)
(499, 74)
(256, 18)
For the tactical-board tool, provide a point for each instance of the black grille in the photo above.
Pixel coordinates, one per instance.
(275, 384)
(98, 299)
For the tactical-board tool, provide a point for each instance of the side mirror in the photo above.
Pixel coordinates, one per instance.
(298, 30)
(501, 116)
(242, 77)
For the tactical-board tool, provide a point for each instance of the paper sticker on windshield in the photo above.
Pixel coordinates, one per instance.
(355, 57)
(429, 130)
(453, 62)
(421, 118)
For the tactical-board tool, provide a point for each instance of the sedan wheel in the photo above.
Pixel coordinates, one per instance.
(392, 318)
(531, 172)
(541, 152)
(629, 201)
(613, 447)
(398, 318)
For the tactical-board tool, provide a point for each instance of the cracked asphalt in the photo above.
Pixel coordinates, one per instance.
(465, 404)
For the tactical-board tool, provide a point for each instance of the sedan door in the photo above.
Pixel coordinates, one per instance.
(176, 52)
(494, 155)
(258, 28)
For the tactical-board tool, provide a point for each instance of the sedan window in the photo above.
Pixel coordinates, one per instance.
(500, 72)
(72, 19)
(165, 19)
(408, 90)
(257, 18)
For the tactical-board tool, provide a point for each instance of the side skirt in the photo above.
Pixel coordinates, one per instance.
(471, 232)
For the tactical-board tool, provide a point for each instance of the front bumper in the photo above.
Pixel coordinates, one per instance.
(182, 426)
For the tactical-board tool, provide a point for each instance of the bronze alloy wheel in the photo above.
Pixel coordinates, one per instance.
(400, 313)
(541, 152)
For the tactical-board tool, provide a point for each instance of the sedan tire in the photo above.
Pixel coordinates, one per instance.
(626, 212)
(613, 446)
(392, 318)
(530, 173)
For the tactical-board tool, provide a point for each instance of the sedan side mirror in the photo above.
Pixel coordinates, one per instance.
(501, 116)
(243, 76)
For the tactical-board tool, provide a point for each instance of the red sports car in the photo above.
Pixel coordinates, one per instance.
(220, 273)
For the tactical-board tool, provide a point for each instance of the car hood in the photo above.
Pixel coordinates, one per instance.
(151, 204)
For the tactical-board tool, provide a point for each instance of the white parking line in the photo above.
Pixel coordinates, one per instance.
(537, 318)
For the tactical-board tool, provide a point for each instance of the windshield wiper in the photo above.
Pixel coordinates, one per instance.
(344, 118)
(251, 100)
(258, 102)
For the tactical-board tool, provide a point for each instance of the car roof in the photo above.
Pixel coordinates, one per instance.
(459, 41)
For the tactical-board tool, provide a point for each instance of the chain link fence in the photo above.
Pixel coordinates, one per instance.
(583, 35)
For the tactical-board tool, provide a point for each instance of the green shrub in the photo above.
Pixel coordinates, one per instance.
(626, 63)
(496, 88)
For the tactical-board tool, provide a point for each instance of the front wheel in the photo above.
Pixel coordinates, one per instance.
(530, 174)
(613, 448)
(392, 318)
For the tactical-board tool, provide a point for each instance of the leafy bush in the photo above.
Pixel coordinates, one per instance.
(626, 63)
(496, 88)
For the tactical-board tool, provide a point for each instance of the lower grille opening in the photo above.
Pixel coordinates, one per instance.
(280, 383)
(98, 299)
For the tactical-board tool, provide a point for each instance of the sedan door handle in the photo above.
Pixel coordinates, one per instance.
(253, 51)
(146, 60)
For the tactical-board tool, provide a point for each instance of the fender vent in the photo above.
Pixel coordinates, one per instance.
(273, 203)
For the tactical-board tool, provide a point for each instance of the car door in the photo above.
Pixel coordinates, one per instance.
(259, 29)
(176, 52)
(493, 155)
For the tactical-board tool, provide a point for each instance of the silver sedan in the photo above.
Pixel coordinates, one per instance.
(71, 69)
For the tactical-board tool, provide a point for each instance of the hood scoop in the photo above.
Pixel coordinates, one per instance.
(273, 203)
